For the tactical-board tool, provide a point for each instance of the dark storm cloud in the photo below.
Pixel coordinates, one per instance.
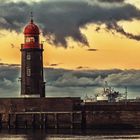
(13, 15)
(55, 64)
(61, 19)
(116, 1)
(64, 18)
(81, 67)
(114, 26)
(92, 50)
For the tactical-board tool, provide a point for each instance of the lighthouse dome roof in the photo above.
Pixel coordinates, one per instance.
(31, 28)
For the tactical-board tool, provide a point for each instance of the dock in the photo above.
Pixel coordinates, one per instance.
(44, 120)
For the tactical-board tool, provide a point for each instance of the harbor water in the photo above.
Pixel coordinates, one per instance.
(70, 135)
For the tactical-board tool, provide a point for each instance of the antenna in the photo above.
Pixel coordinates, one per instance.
(31, 16)
(106, 84)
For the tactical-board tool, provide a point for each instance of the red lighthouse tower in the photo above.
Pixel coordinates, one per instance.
(32, 81)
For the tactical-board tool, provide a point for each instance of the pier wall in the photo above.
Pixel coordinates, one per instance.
(70, 113)
(104, 115)
(40, 113)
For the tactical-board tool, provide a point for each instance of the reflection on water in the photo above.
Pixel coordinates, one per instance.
(70, 135)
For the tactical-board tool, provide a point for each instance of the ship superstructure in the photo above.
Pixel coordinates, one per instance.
(108, 94)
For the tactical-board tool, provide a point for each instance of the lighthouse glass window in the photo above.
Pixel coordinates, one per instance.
(30, 39)
(28, 71)
(28, 56)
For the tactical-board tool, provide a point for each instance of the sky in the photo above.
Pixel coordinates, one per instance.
(86, 42)
(72, 83)
(105, 35)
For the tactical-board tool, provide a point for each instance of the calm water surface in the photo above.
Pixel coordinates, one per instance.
(70, 135)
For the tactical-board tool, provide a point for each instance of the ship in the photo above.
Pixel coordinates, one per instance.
(108, 94)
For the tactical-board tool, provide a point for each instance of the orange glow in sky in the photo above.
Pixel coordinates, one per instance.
(113, 51)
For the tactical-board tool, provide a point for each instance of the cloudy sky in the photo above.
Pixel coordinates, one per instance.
(72, 83)
(93, 34)
(79, 36)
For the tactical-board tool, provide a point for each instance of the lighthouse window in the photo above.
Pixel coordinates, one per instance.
(27, 40)
(28, 72)
(28, 56)
(30, 39)
(28, 89)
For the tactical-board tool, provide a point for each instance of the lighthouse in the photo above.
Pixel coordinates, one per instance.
(32, 79)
